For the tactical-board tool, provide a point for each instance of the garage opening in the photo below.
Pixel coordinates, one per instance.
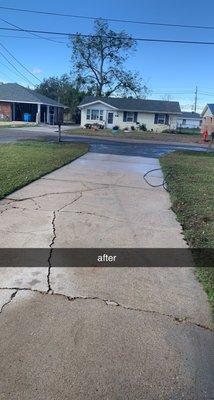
(24, 112)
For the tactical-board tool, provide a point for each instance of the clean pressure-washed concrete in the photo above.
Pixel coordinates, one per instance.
(96, 201)
(100, 333)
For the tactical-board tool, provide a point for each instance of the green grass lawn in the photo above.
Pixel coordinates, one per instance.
(189, 131)
(191, 187)
(186, 137)
(22, 163)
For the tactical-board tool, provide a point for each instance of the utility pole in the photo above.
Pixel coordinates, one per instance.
(196, 98)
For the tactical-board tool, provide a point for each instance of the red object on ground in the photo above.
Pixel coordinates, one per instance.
(205, 135)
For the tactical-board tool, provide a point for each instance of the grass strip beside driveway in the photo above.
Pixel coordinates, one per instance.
(24, 162)
(191, 187)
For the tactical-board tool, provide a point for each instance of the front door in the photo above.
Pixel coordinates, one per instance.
(110, 119)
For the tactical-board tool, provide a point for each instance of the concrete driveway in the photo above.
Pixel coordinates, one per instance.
(100, 333)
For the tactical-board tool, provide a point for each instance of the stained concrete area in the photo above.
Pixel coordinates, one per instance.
(100, 333)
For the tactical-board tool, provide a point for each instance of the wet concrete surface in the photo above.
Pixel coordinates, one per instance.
(132, 149)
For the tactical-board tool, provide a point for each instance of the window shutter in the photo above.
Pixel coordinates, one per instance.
(135, 117)
(124, 116)
(167, 119)
(156, 119)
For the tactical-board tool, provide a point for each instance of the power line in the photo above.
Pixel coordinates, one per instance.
(30, 33)
(20, 73)
(27, 37)
(111, 37)
(22, 65)
(107, 19)
(10, 69)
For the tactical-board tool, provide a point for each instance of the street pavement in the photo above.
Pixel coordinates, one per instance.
(129, 147)
(100, 333)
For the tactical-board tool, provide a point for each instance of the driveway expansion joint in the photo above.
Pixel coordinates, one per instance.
(111, 303)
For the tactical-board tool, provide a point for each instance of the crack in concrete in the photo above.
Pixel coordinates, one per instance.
(9, 301)
(6, 207)
(51, 251)
(91, 213)
(12, 200)
(105, 185)
(39, 196)
(113, 303)
(71, 202)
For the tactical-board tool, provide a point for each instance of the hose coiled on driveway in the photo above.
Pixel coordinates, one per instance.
(164, 183)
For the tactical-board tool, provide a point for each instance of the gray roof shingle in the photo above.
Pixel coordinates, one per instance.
(127, 104)
(190, 114)
(211, 107)
(13, 92)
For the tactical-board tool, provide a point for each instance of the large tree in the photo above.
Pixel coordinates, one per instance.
(63, 90)
(99, 62)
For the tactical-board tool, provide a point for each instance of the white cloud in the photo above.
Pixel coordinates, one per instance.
(37, 70)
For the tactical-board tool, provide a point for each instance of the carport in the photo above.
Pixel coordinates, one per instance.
(18, 103)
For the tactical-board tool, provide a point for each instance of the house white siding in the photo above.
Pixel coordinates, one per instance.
(188, 122)
(148, 119)
(97, 106)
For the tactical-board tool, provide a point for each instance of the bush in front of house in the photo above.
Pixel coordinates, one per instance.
(115, 128)
(142, 127)
(169, 131)
(95, 126)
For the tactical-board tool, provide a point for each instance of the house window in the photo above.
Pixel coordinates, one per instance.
(162, 119)
(129, 117)
(94, 114)
(88, 115)
(184, 122)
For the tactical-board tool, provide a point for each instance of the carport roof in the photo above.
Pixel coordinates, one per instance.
(141, 105)
(12, 92)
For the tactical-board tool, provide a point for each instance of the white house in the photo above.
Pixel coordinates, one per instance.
(189, 120)
(156, 115)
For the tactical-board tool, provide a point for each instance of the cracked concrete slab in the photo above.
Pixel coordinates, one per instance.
(23, 228)
(99, 200)
(133, 332)
(5, 297)
(89, 230)
(171, 291)
(34, 278)
(53, 348)
(128, 173)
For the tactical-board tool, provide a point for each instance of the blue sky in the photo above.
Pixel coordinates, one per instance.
(168, 69)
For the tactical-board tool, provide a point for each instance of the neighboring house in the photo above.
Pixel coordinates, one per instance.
(156, 115)
(208, 118)
(189, 120)
(18, 103)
